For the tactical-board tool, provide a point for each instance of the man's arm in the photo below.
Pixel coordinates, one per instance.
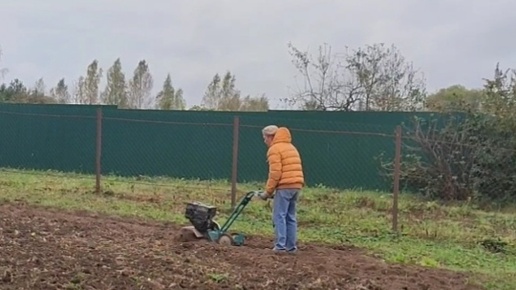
(274, 160)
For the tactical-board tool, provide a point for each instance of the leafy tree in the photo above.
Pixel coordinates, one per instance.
(375, 77)
(256, 104)
(13, 92)
(38, 95)
(17, 92)
(39, 87)
(222, 95)
(90, 85)
(60, 92)
(3, 93)
(115, 92)
(455, 98)
(140, 87)
(36, 98)
(199, 108)
(169, 98)
(500, 98)
(79, 91)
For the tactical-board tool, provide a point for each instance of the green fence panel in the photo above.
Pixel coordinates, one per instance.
(43, 137)
(335, 154)
(338, 148)
(174, 144)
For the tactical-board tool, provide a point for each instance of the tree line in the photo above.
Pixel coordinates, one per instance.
(371, 78)
(130, 93)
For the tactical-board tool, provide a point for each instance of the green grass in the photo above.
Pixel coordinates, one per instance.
(432, 235)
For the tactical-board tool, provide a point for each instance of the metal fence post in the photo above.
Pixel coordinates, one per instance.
(98, 152)
(396, 185)
(234, 167)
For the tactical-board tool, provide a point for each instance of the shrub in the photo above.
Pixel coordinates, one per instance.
(464, 155)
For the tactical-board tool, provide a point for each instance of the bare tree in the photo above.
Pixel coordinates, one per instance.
(388, 81)
(327, 82)
(371, 78)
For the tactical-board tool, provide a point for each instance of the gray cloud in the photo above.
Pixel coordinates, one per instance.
(452, 41)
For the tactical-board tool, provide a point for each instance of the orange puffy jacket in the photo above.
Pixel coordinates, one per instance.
(285, 167)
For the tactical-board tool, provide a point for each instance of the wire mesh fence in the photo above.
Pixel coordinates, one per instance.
(46, 141)
(145, 155)
(334, 154)
(185, 153)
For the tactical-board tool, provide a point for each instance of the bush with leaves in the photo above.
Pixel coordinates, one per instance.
(464, 155)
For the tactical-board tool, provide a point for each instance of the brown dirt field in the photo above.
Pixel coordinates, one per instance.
(46, 249)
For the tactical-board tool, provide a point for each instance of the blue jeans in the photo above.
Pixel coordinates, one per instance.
(284, 219)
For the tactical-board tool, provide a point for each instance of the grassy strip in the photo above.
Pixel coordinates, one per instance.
(432, 235)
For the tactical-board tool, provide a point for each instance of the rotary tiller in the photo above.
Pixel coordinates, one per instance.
(201, 216)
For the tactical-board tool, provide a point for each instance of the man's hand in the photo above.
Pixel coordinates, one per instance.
(262, 195)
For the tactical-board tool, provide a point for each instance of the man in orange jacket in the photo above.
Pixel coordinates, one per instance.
(285, 182)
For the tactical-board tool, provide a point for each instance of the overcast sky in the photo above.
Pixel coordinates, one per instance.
(452, 41)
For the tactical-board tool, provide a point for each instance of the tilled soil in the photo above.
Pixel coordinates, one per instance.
(45, 249)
